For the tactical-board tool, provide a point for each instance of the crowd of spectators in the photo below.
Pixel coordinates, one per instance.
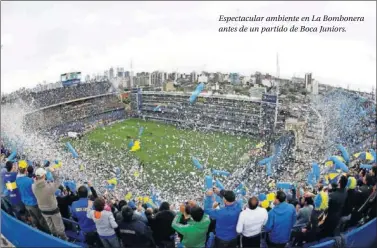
(216, 113)
(299, 216)
(35, 194)
(58, 95)
(64, 94)
(349, 119)
(88, 123)
(65, 114)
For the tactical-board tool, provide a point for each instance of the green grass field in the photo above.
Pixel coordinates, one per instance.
(165, 150)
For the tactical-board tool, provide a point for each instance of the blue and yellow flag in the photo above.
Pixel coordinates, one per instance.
(57, 164)
(136, 146)
(113, 181)
(364, 155)
(340, 158)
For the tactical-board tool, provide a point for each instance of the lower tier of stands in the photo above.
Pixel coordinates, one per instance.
(27, 236)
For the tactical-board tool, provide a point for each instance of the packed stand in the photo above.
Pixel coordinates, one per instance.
(64, 94)
(72, 112)
(214, 112)
(88, 123)
(35, 194)
(349, 119)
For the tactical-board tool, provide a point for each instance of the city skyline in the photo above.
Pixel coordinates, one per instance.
(40, 42)
(106, 74)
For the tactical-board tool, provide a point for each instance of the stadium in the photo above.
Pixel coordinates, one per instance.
(217, 130)
(149, 146)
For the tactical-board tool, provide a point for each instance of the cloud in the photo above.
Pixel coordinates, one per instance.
(169, 36)
(6, 39)
(91, 18)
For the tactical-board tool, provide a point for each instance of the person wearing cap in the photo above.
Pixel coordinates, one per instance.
(195, 230)
(45, 193)
(133, 232)
(280, 222)
(250, 223)
(226, 217)
(24, 184)
(13, 191)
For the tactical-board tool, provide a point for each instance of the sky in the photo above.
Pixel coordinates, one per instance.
(42, 40)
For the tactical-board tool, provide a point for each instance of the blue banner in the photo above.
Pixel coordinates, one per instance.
(71, 82)
(269, 98)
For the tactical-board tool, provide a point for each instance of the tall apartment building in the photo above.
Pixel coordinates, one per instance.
(308, 81)
(106, 74)
(111, 73)
(120, 72)
(142, 79)
(315, 87)
(158, 78)
(194, 77)
(234, 78)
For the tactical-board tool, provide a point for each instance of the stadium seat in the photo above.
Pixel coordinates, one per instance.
(74, 234)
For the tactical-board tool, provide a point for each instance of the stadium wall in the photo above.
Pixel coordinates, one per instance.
(362, 237)
(22, 235)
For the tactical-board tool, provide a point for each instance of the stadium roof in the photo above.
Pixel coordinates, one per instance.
(70, 101)
(228, 96)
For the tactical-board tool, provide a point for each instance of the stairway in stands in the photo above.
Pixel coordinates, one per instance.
(310, 146)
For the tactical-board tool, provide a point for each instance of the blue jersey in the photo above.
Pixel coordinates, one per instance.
(11, 185)
(24, 187)
(79, 209)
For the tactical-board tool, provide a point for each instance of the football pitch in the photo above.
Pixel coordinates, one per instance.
(165, 150)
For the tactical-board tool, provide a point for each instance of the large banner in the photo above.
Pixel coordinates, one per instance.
(269, 98)
(70, 78)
